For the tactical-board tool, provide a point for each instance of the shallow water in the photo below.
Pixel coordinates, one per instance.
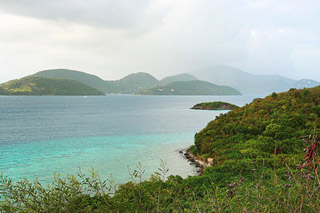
(40, 136)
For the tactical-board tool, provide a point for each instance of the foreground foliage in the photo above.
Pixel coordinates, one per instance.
(299, 192)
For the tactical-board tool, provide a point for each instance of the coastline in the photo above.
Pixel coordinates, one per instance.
(194, 160)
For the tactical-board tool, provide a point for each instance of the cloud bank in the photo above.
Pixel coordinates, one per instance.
(163, 37)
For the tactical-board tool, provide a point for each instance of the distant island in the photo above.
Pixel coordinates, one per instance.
(43, 86)
(72, 82)
(219, 80)
(143, 84)
(191, 88)
(217, 105)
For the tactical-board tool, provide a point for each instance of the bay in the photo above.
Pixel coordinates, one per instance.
(43, 135)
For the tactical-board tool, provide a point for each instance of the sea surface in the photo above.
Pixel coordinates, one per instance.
(45, 135)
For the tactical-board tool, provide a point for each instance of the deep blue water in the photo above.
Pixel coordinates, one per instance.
(40, 136)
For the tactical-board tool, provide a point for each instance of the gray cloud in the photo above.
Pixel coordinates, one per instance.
(116, 37)
(111, 13)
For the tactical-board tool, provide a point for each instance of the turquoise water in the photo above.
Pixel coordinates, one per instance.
(41, 136)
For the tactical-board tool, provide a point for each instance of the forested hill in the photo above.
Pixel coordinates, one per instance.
(133, 83)
(191, 88)
(130, 84)
(88, 79)
(256, 131)
(43, 86)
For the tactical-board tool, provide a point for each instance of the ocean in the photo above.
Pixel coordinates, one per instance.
(45, 135)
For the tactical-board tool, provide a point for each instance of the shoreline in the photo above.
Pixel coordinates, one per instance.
(194, 160)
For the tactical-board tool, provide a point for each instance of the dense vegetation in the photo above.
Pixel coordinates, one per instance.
(44, 86)
(256, 129)
(217, 105)
(190, 88)
(3, 91)
(90, 80)
(134, 83)
(260, 164)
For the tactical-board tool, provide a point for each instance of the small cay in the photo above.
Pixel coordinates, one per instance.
(217, 105)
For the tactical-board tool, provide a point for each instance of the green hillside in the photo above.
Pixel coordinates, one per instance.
(130, 84)
(3, 91)
(90, 80)
(180, 77)
(250, 136)
(190, 88)
(135, 83)
(43, 86)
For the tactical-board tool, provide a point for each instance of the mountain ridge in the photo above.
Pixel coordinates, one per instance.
(137, 83)
(222, 75)
(245, 82)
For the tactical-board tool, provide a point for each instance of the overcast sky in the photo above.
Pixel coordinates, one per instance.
(113, 38)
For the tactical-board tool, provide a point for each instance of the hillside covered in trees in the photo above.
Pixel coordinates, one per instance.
(43, 86)
(190, 88)
(256, 129)
(85, 78)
